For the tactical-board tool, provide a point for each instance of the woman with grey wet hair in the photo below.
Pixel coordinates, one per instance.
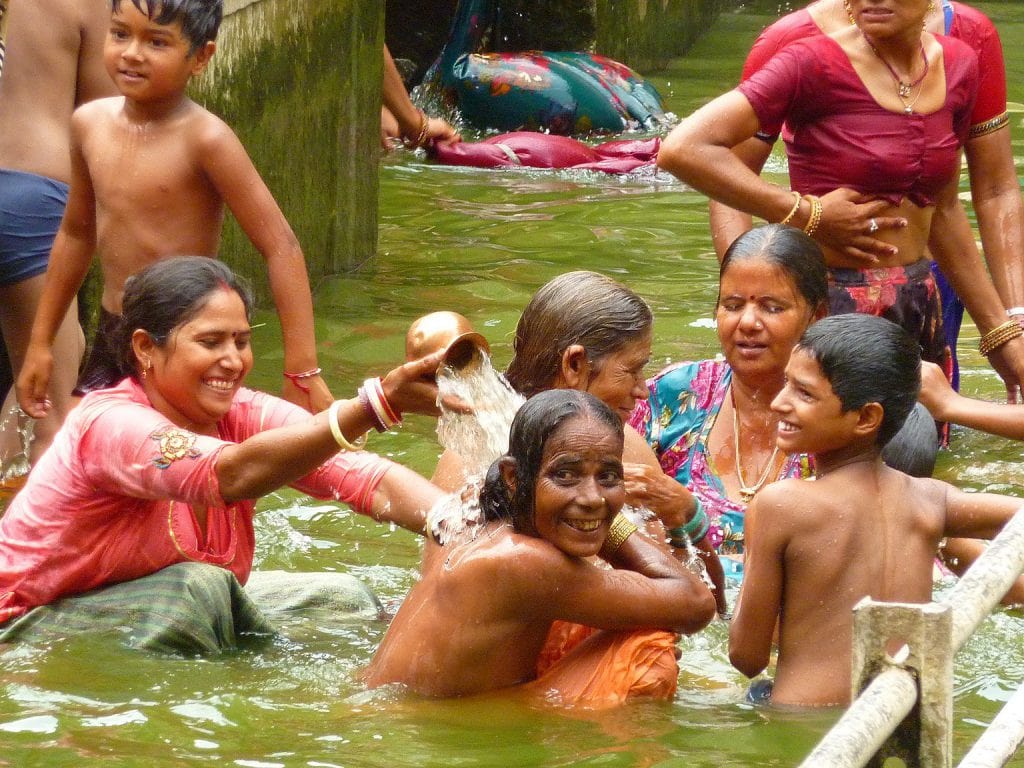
(584, 309)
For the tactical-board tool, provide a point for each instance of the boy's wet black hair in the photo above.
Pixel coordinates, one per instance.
(168, 294)
(199, 19)
(914, 449)
(535, 422)
(790, 250)
(867, 359)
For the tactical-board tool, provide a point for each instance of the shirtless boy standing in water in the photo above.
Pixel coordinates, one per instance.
(53, 63)
(151, 172)
(814, 549)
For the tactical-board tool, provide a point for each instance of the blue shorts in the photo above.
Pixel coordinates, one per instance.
(31, 209)
(760, 691)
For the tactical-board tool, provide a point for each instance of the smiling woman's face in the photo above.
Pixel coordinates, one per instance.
(193, 378)
(579, 487)
(760, 317)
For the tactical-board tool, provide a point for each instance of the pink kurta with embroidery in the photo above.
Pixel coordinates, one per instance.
(112, 498)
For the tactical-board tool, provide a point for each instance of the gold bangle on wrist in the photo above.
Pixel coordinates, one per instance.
(792, 211)
(999, 335)
(422, 134)
(339, 437)
(620, 530)
(812, 223)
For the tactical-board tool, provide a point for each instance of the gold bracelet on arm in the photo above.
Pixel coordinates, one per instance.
(620, 530)
(989, 126)
(792, 211)
(422, 135)
(999, 335)
(812, 223)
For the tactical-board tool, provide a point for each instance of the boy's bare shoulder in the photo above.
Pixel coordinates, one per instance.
(926, 492)
(96, 109)
(207, 128)
(782, 494)
(791, 503)
(924, 487)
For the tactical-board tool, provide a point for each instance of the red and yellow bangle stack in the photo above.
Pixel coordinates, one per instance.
(377, 407)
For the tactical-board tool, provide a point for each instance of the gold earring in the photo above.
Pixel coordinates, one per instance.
(849, 12)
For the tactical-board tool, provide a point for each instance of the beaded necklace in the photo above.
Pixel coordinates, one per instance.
(903, 90)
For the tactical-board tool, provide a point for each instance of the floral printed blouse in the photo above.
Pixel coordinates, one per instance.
(676, 420)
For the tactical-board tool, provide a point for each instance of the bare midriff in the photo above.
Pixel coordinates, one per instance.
(911, 240)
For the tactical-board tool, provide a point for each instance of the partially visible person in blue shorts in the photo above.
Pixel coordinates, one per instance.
(53, 63)
(32, 207)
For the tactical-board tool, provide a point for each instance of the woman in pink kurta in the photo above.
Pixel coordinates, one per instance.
(164, 466)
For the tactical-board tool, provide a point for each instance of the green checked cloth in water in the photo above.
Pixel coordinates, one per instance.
(194, 608)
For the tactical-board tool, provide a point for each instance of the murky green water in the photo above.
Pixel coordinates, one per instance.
(481, 243)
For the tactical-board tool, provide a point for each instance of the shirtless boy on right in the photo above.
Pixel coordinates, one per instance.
(814, 549)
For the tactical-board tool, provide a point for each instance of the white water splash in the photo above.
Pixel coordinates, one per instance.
(478, 438)
(482, 436)
(13, 468)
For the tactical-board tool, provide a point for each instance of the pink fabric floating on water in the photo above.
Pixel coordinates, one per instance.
(541, 150)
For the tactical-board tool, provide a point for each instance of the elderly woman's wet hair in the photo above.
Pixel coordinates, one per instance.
(867, 359)
(790, 250)
(166, 295)
(584, 308)
(538, 419)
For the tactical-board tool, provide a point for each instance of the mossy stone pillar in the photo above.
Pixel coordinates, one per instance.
(299, 82)
(646, 34)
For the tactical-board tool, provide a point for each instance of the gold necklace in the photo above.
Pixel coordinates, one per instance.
(903, 90)
(747, 491)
